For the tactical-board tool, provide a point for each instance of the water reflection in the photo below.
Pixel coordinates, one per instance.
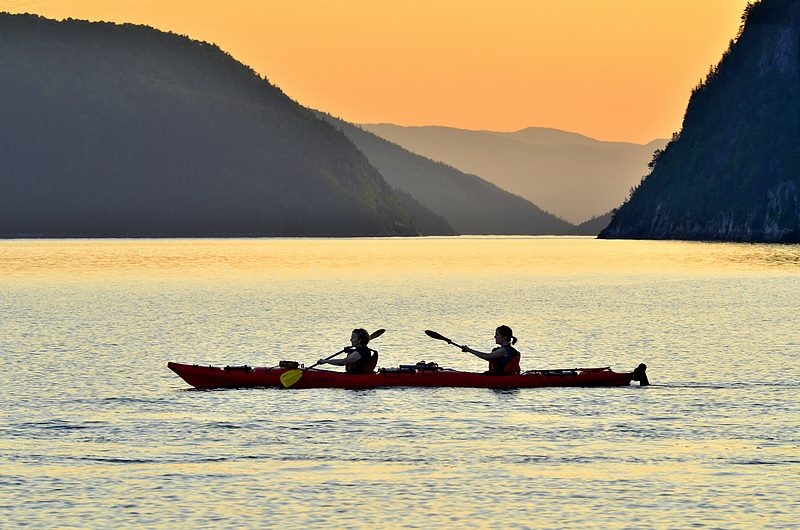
(772, 256)
(67, 260)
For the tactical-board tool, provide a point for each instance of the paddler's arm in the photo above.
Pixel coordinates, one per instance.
(496, 354)
(351, 358)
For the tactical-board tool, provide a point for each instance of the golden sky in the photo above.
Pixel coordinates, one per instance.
(610, 69)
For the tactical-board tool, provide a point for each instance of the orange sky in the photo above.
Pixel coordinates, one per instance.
(609, 69)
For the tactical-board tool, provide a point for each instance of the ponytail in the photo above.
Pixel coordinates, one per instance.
(506, 332)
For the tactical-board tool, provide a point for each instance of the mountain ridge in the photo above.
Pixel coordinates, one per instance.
(470, 204)
(569, 174)
(121, 130)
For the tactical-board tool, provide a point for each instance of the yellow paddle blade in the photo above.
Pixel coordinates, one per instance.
(290, 377)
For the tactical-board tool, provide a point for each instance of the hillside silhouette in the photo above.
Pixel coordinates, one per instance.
(124, 131)
(733, 172)
(470, 204)
(573, 176)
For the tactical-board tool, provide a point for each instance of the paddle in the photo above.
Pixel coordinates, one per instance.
(290, 377)
(437, 336)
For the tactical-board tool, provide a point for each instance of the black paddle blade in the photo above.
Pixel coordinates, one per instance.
(437, 336)
(377, 333)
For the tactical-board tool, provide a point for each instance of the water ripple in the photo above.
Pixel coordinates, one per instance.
(98, 433)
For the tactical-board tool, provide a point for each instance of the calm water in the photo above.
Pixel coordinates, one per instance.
(97, 433)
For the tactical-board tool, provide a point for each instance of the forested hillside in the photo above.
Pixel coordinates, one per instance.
(120, 130)
(733, 171)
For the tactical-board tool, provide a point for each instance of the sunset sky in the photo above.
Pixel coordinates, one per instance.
(610, 69)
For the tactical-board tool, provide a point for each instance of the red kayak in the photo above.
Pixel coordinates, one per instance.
(417, 375)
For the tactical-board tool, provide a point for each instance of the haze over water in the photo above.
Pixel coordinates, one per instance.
(97, 433)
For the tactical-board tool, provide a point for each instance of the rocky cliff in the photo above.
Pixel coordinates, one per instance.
(733, 171)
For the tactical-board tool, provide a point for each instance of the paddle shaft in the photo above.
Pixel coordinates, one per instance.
(439, 336)
(325, 359)
(374, 335)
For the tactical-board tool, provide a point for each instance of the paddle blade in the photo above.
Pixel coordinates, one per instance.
(434, 335)
(290, 377)
(377, 333)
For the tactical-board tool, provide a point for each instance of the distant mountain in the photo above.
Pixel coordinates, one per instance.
(568, 174)
(733, 173)
(123, 131)
(468, 203)
(593, 226)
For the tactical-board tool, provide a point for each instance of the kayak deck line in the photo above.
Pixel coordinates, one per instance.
(422, 374)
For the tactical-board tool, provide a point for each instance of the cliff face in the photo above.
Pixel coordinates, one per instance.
(733, 172)
(123, 131)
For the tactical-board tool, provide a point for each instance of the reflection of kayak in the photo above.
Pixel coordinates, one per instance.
(421, 375)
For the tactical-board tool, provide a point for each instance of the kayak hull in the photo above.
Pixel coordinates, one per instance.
(207, 377)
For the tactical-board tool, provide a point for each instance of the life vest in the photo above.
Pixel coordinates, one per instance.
(362, 365)
(508, 363)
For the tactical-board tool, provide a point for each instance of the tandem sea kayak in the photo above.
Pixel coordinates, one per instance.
(416, 375)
